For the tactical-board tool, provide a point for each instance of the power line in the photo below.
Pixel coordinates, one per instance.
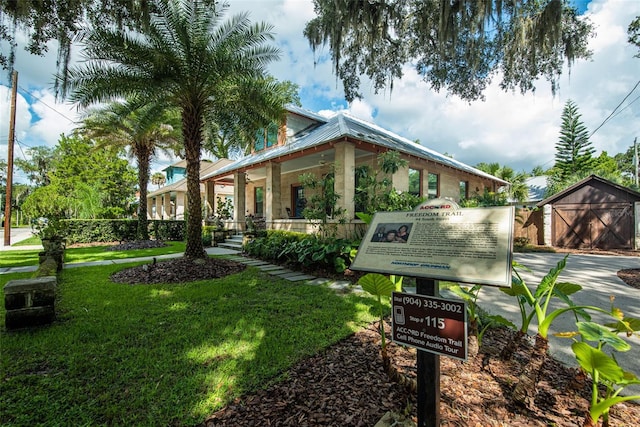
(615, 109)
(45, 104)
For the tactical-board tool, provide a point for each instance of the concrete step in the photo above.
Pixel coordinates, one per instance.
(231, 245)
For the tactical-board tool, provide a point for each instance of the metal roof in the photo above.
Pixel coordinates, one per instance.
(344, 125)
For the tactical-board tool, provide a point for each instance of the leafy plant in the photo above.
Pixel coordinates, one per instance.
(604, 370)
(322, 202)
(224, 208)
(373, 193)
(478, 322)
(379, 286)
(539, 301)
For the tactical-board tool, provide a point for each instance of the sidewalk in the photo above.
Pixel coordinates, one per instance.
(274, 270)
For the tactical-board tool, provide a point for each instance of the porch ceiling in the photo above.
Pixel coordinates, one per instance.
(311, 159)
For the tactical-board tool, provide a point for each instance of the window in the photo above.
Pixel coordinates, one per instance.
(464, 190)
(434, 186)
(258, 193)
(259, 144)
(272, 135)
(415, 177)
(266, 138)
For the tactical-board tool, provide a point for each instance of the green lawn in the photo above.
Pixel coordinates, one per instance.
(94, 253)
(163, 354)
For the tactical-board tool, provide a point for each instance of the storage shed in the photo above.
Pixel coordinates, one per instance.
(594, 214)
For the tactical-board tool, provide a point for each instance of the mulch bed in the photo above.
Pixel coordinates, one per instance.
(345, 385)
(178, 270)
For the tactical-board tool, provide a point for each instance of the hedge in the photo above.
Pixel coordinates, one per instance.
(120, 230)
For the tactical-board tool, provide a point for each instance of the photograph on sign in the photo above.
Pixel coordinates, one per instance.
(392, 233)
(470, 245)
(430, 324)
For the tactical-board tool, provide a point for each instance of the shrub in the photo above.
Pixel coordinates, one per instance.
(299, 248)
(173, 230)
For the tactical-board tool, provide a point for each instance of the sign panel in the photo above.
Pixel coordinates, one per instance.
(431, 324)
(471, 245)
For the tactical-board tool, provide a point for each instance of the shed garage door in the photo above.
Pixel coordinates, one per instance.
(593, 226)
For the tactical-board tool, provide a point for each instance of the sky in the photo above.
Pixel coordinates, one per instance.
(509, 128)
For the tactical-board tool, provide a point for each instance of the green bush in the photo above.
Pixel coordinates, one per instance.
(172, 230)
(120, 230)
(288, 247)
(100, 230)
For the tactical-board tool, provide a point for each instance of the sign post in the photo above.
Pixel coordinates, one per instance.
(437, 241)
(428, 371)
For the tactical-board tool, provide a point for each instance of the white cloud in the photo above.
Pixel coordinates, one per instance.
(513, 129)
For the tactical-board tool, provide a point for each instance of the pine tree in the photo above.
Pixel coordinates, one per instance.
(574, 151)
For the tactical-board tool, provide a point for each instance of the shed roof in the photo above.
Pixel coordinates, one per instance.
(592, 178)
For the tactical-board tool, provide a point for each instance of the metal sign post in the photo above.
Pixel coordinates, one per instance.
(428, 371)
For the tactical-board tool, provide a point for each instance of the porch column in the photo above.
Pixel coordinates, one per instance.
(149, 208)
(239, 202)
(158, 203)
(209, 198)
(345, 180)
(180, 204)
(273, 200)
(400, 179)
(166, 206)
(424, 184)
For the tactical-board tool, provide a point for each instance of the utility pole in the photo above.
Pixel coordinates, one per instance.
(635, 159)
(12, 124)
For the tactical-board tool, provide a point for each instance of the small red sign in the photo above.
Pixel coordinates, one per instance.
(431, 324)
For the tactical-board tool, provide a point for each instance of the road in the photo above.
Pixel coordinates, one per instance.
(17, 235)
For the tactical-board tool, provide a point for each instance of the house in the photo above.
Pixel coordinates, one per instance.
(169, 201)
(266, 183)
(595, 214)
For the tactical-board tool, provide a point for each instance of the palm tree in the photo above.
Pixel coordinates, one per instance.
(230, 130)
(186, 58)
(158, 179)
(143, 129)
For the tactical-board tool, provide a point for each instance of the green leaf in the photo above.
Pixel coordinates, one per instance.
(377, 284)
(600, 408)
(591, 360)
(366, 218)
(496, 318)
(548, 281)
(567, 288)
(628, 325)
(592, 331)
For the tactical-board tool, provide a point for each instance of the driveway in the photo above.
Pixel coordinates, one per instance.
(597, 276)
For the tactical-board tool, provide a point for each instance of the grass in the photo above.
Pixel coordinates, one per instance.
(33, 240)
(20, 258)
(163, 354)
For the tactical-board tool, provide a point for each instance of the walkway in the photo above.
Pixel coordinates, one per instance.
(274, 270)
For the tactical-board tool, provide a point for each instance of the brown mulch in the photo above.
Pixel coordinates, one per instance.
(178, 270)
(345, 384)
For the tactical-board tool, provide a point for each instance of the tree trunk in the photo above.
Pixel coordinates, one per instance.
(144, 158)
(525, 391)
(192, 133)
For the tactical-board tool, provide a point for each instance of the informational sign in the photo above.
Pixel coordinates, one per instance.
(431, 324)
(438, 241)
